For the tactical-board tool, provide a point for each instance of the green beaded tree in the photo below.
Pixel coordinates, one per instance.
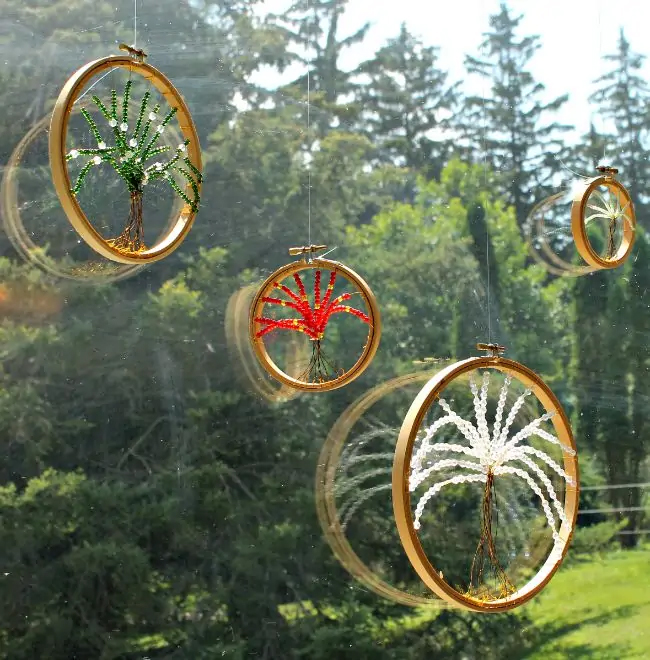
(129, 157)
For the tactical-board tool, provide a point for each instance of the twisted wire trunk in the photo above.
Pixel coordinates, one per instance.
(132, 238)
(611, 243)
(320, 369)
(486, 551)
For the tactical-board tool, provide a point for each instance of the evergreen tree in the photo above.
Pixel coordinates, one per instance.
(407, 103)
(622, 98)
(312, 30)
(508, 125)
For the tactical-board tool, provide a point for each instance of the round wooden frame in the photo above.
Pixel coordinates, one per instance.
(402, 499)
(327, 510)
(58, 132)
(369, 349)
(579, 230)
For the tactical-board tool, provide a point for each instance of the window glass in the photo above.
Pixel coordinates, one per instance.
(161, 494)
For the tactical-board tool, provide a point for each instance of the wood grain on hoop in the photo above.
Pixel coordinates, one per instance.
(402, 498)
(58, 133)
(369, 349)
(579, 230)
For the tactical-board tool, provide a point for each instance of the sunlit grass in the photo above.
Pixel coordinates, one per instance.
(596, 609)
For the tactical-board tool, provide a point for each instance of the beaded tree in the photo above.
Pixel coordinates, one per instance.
(129, 157)
(313, 319)
(485, 456)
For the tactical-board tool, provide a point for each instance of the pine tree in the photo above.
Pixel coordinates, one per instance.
(312, 28)
(622, 98)
(407, 103)
(508, 125)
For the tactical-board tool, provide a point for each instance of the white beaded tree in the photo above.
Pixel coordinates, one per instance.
(486, 456)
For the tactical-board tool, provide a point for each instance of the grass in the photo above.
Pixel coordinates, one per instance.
(596, 609)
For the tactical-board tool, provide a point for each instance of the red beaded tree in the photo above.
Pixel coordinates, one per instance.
(312, 321)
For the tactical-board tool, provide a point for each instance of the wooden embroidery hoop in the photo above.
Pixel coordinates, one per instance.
(357, 281)
(134, 62)
(608, 179)
(401, 470)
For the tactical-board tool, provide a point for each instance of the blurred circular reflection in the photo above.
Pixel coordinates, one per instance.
(37, 226)
(353, 483)
(549, 238)
(251, 373)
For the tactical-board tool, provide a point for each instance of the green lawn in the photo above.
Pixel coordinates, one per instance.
(599, 609)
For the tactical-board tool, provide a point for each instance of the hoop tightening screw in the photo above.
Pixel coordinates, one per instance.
(135, 53)
(306, 249)
(494, 349)
(607, 170)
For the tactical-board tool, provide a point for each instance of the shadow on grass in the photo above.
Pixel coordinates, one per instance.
(547, 634)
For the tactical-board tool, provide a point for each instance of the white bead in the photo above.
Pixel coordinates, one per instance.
(182, 147)
(160, 129)
(112, 123)
(101, 145)
(138, 160)
(97, 160)
(152, 116)
(158, 166)
(129, 154)
(124, 127)
(133, 142)
(74, 154)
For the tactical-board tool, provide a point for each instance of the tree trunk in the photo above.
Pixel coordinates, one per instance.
(132, 238)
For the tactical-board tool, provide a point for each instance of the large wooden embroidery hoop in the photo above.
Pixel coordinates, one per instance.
(134, 62)
(402, 496)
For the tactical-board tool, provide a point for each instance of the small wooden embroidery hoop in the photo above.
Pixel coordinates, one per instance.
(401, 470)
(134, 61)
(608, 179)
(358, 282)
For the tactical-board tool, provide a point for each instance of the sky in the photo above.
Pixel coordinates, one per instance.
(575, 34)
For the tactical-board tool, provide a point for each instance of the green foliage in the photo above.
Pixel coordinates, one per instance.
(595, 539)
(622, 97)
(405, 100)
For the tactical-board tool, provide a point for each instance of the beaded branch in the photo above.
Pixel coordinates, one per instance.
(313, 319)
(129, 157)
(610, 210)
(492, 455)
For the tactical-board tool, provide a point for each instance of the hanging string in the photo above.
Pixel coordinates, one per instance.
(487, 230)
(135, 44)
(600, 56)
(93, 85)
(309, 164)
